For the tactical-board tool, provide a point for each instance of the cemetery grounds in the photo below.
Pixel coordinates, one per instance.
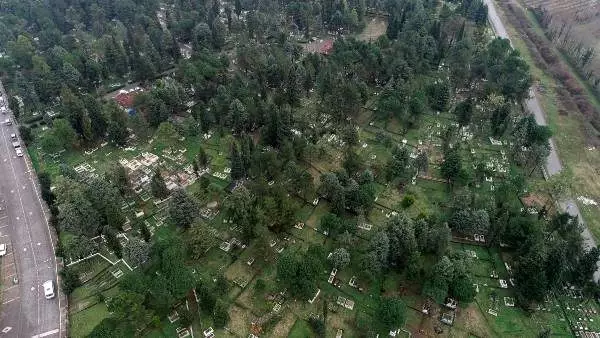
(257, 305)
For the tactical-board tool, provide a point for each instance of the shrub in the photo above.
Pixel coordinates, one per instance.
(407, 201)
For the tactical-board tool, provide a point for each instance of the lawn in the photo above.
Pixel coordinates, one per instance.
(301, 329)
(83, 322)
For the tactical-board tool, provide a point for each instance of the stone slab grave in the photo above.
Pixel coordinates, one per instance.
(173, 317)
(509, 301)
(183, 332)
(315, 297)
(347, 303)
(117, 273)
(471, 253)
(241, 282)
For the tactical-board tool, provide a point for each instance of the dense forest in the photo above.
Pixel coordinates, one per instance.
(248, 76)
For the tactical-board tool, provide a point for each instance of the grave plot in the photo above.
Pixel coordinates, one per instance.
(302, 232)
(103, 281)
(89, 268)
(471, 320)
(260, 294)
(505, 318)
(338, 319)
(549, 314)
(583, 314)
(389, 199)
(373, 150)
(434, 191)
(239, 274)
(239, 321)
(214, 263)
(321, 209)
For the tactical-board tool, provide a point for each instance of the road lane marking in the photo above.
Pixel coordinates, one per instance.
(11, 300)
(48, 333)
(28, 225)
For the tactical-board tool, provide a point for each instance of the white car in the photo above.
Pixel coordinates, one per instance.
(13, 137)
(8, 122)
(19, 152)
(49, 289)
(2, 249)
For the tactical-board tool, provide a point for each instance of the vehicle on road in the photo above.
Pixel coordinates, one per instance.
(2, 249)
(16, 144)
(19, 152)
(49, 289)
(13, 137)
(8, 122)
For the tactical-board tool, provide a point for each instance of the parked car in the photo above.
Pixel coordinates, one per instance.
(8, 122)
(13, 137)
(19, 152)
(49, 289)
(16, 144)
(2, 249)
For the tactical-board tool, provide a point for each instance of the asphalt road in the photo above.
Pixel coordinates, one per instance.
(25, 312)
(553, 165)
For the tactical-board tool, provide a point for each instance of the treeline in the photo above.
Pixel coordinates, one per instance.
(572, 96)
(560, 33)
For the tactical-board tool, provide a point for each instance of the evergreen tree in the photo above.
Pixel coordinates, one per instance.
(158, 186)
(202, 159)
(237, 166)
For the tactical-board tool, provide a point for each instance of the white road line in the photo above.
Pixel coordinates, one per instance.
(48, 333)
(33, 181)
(27, 225)
(11, 300)
(10, 287)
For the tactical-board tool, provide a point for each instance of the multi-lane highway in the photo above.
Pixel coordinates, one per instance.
(553, 164)
(30, 260)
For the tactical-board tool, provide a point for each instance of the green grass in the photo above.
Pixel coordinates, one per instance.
(301, 329)
(83, 322)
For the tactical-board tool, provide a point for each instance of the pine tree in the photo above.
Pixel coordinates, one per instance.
(158, 186)
(237, 165)
(202, 158)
